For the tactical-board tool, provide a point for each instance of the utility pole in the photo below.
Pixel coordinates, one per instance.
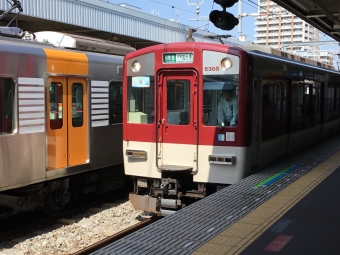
(198, 10)
(240, 16)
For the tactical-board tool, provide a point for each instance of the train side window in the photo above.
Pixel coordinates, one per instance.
(332, 102)
(141, 100)
(115, 102)
(56, 105)
(77, 104)
(274, 108)
(7, 90)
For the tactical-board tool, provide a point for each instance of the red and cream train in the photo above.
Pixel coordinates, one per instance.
(175, 146)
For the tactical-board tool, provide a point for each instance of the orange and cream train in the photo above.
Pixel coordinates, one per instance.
(184, 138)
(60, 124)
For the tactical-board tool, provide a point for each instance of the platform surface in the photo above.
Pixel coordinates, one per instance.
(312, 226)
(291, 207)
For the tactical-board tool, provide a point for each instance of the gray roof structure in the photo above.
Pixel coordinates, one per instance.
(103, 20)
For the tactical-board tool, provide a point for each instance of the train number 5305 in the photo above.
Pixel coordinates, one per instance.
(211, 68)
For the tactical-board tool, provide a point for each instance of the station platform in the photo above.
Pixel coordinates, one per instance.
(291, 207)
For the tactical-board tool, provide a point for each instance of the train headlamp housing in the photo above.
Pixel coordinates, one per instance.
(226, 63)
(136, 66)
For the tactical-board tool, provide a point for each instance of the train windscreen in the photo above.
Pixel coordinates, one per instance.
(141, 99)
(220, 100)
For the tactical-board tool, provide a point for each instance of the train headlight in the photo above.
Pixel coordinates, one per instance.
(226, 63)
(136, 66)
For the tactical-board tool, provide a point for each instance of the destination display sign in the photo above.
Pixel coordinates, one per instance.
(176, 58)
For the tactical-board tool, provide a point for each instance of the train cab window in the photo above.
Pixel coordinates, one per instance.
(220, 100)
(77, 105)
(178, 102)
(115, 103)
(6, 105)
(56, 105)
(141, 98)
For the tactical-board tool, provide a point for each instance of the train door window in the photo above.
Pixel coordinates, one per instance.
(6, 105)
(305, 101)
(332, 102)
(276, 94)
(284, 101)
(330, 99)
(335, 105)
(269, 110)
(220, 100)
(56, 105)
(338, 97)
(115, 103)
(141, 100)
(317, 102)
(178, 102)
(337, 100)
(77, 104)
(328, 103)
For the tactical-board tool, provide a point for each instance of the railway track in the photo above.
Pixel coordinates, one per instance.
(77, 234)
(115, 237)
(29, 221)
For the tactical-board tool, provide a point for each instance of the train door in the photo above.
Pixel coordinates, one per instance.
(177, 121)
(67, 124)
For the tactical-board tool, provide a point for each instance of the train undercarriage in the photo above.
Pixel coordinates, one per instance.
(51, 196)
(167, 195)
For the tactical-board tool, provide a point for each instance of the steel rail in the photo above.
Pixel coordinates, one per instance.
(98, 245)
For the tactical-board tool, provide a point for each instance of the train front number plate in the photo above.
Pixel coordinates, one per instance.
(173, 58)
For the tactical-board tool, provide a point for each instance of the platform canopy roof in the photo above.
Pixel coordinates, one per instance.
(322, 14)
(103, 20)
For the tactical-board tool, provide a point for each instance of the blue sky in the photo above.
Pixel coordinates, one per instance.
(179, 9)
(186, 12)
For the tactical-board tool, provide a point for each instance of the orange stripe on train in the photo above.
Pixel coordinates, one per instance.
(66, 62)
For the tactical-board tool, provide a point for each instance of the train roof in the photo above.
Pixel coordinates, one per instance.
(264, 50)
(48, 39)
(83, 43)
(253, 49)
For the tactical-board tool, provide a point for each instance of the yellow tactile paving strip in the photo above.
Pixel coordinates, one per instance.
(242, 233)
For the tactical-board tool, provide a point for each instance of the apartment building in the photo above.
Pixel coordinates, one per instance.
(276, 27)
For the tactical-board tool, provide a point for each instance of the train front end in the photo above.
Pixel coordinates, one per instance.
(187, 122)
